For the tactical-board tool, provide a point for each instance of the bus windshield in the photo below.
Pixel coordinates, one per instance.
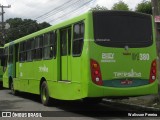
(120, 29)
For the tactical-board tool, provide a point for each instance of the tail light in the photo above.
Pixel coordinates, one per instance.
(96, 72)
(153, 71)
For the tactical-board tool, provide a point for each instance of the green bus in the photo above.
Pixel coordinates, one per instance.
(1, 67)
(95, 55)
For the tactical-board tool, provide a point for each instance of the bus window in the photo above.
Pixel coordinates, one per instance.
(78, 38)
(2, 56)
(29, 53)
(5, 58)
(48, 45)
(52, 40)
(22, 52)
(32, 48)
(112, 30)
(38, 47)
(63, 43)
(69, 41)
(10, 54)
(54, 44)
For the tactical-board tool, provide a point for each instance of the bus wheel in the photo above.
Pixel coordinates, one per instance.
(13, 91)
(46, 100)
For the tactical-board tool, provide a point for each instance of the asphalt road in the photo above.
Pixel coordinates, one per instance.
(68, 110)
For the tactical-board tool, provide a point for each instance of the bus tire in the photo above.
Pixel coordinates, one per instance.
(13, 91)
(45, 99)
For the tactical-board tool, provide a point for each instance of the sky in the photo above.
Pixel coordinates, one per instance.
(54, 11)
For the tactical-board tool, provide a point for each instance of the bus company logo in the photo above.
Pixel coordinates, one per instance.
(43, 68)
(21, 114)
(131, 73)
(6, 114)
(108, 57)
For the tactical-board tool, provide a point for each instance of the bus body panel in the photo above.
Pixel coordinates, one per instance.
(30, 73)
(115, 73)
(99, 91)
(5, 79)
(1, 73)
(124, 70)
(1, 67)
(116, 64)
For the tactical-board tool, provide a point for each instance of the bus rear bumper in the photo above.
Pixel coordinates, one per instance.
(103, 91)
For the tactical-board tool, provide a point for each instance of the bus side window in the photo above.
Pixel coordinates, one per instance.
(22, 52)
(32, 49)
(6, 56)
(29, 52)
(46, 50)
(64, 42)
(78, 39)
(38, 47)
(10, 54)
(4, 59)
(53, 46)
(48, 45)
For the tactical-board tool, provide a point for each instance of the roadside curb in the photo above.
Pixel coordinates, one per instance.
(129, 106)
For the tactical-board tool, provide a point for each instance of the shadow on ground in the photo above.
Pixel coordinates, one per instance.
(77, 108)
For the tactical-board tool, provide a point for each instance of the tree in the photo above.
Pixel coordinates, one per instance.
(43, 25)
(120, 6)
(159, 4)
(97, 8)
(19, 28)
(144, 7)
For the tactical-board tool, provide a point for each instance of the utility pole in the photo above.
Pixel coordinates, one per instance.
(155, 8)
(2, 41)
(156, 15)
(155, 11)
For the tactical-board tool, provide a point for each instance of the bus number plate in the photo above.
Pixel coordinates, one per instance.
(126, 82)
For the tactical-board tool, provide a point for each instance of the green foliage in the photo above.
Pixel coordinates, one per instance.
(159, 3)
(19, 28)
(97, 8)
(120, 6)
(43, 25)
(144, 7)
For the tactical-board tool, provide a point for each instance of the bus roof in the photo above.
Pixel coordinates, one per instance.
(51, 28)
(62, 24)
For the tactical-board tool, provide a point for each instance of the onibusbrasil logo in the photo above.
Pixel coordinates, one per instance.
(21, 114)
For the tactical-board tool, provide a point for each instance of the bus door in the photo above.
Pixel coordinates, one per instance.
(65, 49)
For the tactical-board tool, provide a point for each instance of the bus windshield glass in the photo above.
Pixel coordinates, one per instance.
(120, 29)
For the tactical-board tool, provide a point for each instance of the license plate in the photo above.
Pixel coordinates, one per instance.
(126, 82)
